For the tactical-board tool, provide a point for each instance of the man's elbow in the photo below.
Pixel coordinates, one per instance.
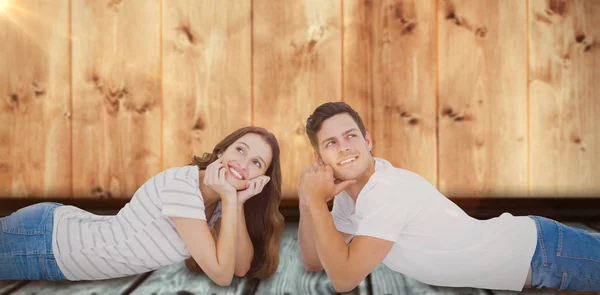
(343, 286)
(311, 266)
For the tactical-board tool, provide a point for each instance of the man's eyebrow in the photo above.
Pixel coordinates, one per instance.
(344, 133)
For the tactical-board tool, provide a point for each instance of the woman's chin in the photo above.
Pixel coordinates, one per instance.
(238, 184)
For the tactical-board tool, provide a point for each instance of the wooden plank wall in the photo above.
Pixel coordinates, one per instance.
(484, 98)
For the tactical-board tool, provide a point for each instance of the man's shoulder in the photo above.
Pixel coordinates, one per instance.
(389, 175)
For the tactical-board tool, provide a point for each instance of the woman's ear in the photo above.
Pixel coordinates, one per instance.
(219, 155)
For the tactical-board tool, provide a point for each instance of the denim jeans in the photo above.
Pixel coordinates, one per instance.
(566, 258)
(26, 244)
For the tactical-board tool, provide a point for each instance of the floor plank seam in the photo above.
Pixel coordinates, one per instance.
(137, 283)
(15, 287)
(594, 225)
(369, 285)
(254, 287)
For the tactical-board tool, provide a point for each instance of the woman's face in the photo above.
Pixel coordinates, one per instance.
(248, 157)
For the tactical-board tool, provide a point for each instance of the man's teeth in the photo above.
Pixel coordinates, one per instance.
(235, 173)
(347, 161)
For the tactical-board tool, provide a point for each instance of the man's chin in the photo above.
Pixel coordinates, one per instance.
(344, 176)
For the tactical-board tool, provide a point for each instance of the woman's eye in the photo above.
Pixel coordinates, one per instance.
(328, 143)
(257, 163)
(240, 150)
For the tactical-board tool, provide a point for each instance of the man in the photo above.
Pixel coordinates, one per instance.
(386, 214)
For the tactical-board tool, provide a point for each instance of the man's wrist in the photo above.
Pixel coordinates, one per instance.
(312, 203)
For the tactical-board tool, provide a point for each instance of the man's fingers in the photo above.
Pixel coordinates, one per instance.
(316, 164)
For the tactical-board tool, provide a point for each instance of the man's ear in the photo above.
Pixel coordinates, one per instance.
(318, 158)
(368, 141)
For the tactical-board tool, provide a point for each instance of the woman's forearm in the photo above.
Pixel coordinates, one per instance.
(244, 248)
(226, 241)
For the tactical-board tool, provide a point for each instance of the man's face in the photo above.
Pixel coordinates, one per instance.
(343, 147)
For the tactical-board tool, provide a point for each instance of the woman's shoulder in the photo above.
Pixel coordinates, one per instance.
(188, 172)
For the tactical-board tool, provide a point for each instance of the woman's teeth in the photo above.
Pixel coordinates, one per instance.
(235, 173)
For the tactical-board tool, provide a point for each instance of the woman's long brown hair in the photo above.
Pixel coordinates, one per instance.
(263, 220)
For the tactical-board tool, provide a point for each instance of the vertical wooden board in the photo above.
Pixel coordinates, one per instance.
(111, 286)
(564, 89)
(358, 60)
(297, 67)
(177, 279)
(206, 75)
(35, 141)
(390, 76)
(482, 98)
(292, 278)
(116, 96)
(386, 281)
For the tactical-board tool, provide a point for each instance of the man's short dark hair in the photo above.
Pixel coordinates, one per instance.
(326, 111)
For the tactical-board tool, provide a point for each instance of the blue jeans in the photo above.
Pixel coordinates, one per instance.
(566, 258)
(26, 244)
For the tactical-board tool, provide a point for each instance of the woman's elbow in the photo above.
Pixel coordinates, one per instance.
(222, 278)
(224, 281)
(240, 273)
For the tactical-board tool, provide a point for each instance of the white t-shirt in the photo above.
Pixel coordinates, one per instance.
(435, 241)
(140, 238)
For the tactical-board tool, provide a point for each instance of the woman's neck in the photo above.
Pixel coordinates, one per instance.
(209, 195)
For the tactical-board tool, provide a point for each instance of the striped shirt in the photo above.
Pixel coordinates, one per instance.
(139, 238)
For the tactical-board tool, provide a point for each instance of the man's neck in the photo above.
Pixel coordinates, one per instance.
(354, 189)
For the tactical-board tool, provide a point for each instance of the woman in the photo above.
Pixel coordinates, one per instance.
(169, 219)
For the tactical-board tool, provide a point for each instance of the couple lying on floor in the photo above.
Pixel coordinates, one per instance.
(221, 215)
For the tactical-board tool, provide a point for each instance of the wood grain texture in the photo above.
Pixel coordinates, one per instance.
(386, 281)
(206, 76)
(292, 278)
(7, 286)
(111, 286)
(35, 127)
(297, 67)
(116, 96)
(482, 98)
(177, 279)
(390, 77)
(564, 89)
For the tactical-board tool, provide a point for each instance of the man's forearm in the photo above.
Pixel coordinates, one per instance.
(329, 243)
(308, 250)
